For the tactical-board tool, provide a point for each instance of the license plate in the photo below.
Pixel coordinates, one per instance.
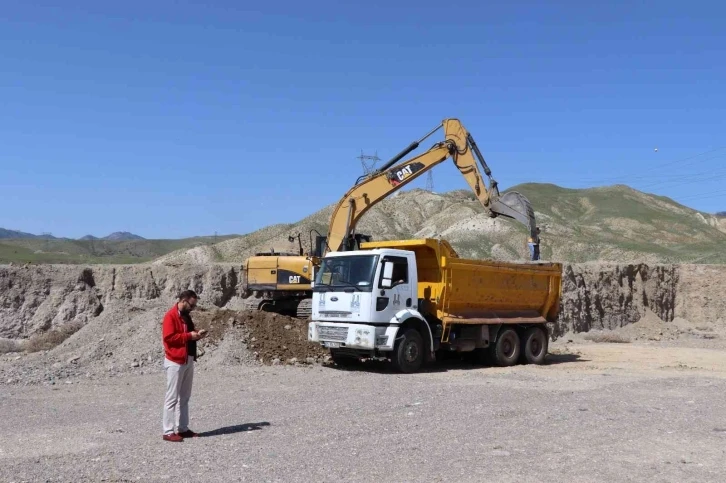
(332, 345)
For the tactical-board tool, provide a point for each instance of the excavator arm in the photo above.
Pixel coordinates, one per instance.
(458, 145)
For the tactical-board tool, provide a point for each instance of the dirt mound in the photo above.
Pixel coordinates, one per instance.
(651, 328)
(275, 339)
(127, 339)
(246, 336)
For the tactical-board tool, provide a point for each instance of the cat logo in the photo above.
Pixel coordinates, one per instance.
(294, 278)
(397, 176)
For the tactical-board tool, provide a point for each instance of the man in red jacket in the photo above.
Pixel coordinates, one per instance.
(180, 352)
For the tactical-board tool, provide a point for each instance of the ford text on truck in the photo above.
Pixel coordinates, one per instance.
(410, 299)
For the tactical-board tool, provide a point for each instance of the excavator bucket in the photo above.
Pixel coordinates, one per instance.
(515, 205)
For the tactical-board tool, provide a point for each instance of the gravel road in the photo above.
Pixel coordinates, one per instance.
(595, 413)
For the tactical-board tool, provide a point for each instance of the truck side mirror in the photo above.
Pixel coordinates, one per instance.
(387, 279)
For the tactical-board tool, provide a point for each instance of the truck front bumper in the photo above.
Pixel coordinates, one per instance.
(352, 336)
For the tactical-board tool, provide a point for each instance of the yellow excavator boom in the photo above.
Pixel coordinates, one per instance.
(460, 146)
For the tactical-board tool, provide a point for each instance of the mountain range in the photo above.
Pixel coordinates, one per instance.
(4, 233)
(614, 223)
(118, 235)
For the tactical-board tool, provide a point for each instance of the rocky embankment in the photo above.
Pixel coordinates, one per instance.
(594, 295)
(115, 313)
(40, 297)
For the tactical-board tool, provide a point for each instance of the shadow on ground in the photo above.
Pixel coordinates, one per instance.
(448, 363)
(237, 428)
(564, 358)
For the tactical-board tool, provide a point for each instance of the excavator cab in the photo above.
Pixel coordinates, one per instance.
(353, 242)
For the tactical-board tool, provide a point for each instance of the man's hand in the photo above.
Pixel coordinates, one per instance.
(198, 335)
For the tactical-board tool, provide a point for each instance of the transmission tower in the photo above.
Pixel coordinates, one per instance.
(368, 162)
(430, 182)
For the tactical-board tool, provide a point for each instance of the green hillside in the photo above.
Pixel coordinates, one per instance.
(614, 223)
(618, 221)
(35, 250)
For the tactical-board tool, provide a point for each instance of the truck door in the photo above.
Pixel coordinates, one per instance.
(393, 291)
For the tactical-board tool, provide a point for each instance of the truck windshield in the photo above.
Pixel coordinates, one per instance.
(356, 271)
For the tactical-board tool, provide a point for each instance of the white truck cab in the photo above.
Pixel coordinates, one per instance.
(361, 299)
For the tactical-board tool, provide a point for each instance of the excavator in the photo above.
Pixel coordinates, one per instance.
(280, 282)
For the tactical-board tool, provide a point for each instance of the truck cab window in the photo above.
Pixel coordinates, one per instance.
(400, 271)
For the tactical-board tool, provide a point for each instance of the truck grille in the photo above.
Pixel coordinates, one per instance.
(335, 334)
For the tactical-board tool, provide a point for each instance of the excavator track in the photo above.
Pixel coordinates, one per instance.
(251, 304)
(304, 308)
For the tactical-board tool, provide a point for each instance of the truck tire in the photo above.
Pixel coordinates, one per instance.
(505, 352)
(534, 346)
(408, 353)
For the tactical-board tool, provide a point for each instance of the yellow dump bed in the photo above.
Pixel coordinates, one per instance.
(464, 291)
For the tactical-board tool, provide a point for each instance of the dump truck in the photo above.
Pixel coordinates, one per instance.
(409, 300)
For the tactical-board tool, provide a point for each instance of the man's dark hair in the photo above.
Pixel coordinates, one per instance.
(188, 294)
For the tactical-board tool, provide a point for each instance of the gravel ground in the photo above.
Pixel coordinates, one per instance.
(596, 412)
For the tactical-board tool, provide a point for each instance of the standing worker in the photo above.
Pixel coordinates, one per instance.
(180, 353)
(533, 244)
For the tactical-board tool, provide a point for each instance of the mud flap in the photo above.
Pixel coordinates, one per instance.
(430, 356)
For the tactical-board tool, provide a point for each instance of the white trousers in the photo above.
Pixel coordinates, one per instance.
(179, 379)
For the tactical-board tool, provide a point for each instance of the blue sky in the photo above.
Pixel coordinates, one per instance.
(172, 119)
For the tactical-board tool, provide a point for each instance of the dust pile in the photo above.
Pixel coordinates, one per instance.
(127, 339)
(652, 329)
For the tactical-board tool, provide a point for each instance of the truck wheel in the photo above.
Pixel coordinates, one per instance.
(507, 348)
(408, 354)
(534, 346)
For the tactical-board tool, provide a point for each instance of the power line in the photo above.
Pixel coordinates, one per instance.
(368, 162)
(430, 182)
(643, 174)
(683, 180)
(708, 194)
(656, 176)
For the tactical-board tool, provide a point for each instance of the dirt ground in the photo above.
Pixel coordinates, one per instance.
(642, 402)
(594, 412)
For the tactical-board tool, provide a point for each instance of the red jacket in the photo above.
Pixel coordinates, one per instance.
(175, 336)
